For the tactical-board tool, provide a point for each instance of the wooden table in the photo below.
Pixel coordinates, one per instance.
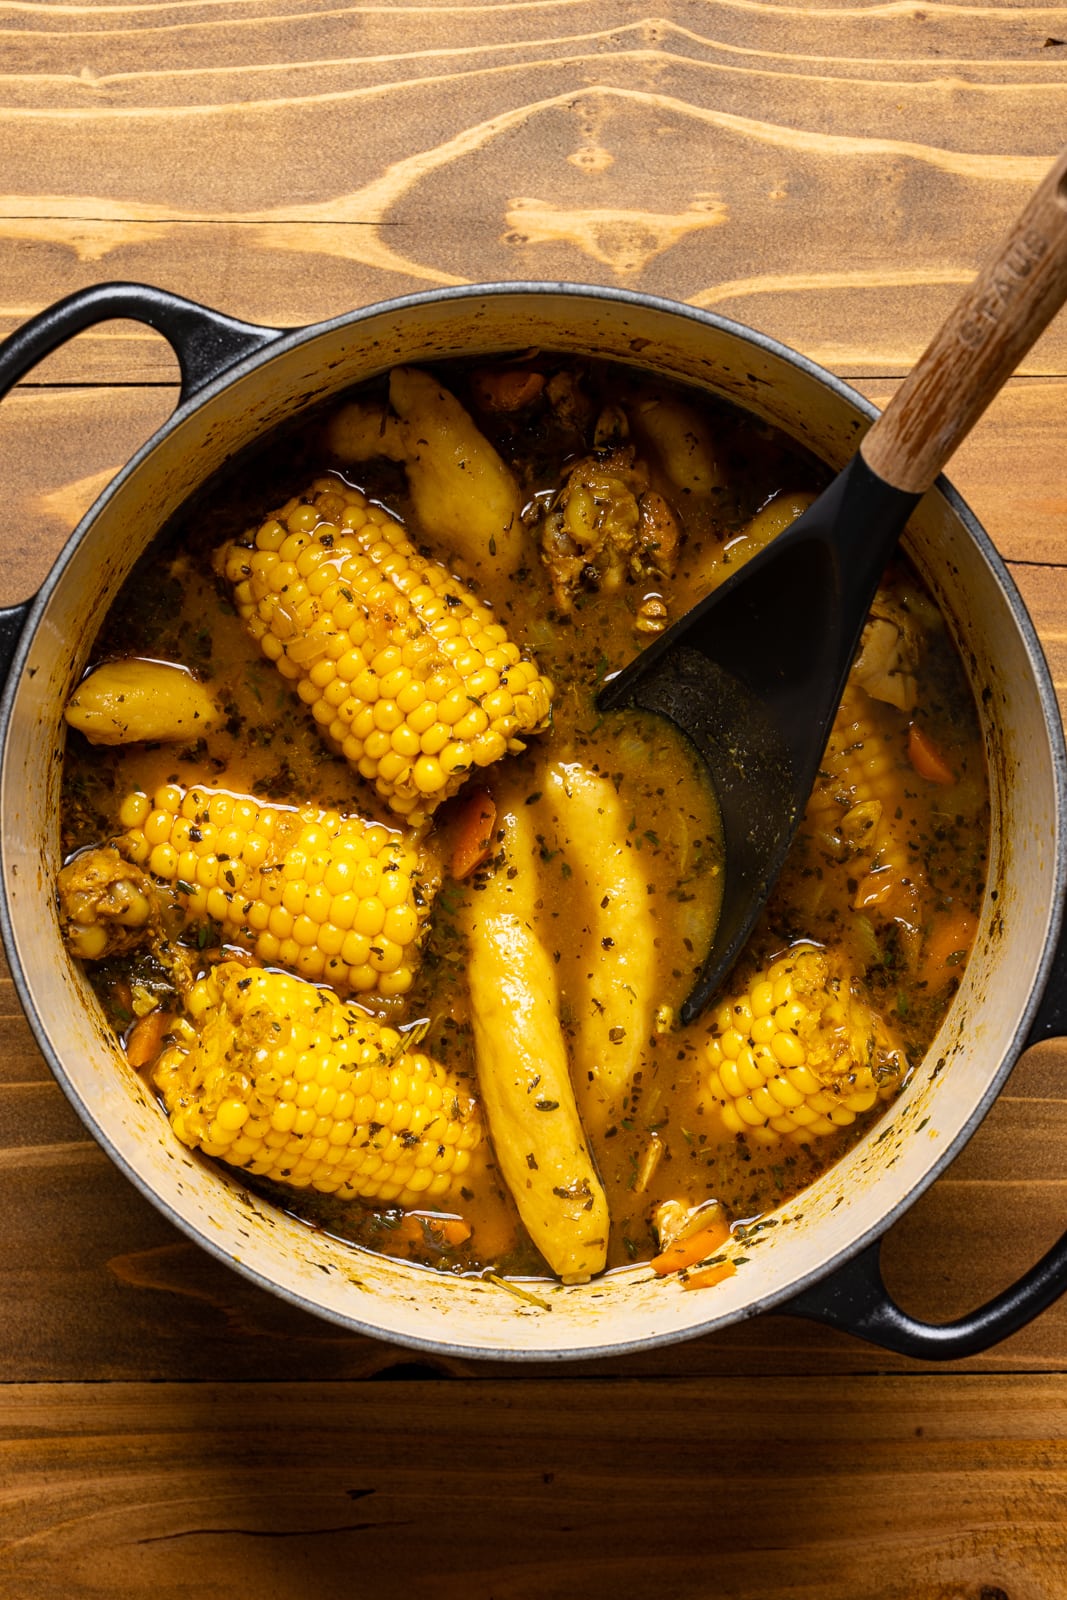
(828, 174)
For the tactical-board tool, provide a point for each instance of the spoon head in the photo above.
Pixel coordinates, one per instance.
(753, 676)
(755, 785)
(744, 732)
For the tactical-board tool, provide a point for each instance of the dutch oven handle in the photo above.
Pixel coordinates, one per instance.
(205, 342)
(856, 1299)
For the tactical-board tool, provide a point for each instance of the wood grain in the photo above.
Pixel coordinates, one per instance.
(830, 175)
(738, 1488)
(59, 449)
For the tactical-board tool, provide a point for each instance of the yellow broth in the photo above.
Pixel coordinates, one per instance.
(664, 1138)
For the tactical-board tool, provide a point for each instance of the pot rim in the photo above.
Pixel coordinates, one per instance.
(289, 339)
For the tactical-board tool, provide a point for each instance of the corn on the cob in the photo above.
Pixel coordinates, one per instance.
(406, 672)
(275, 1076)
(799, 1053)
(862, 811)
(328, 896)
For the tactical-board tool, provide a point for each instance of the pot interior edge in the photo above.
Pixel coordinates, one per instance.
(626, 1310)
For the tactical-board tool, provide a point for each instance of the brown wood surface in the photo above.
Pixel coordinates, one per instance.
(831, 174)
(1019, 288)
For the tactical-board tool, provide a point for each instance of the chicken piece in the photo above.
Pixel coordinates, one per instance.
(604, 525)
(570, 403)
(889, 653)
(107, 905)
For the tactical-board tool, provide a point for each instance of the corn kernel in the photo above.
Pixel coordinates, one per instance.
(432, 743)
(394, 889)
(163, 861)
(788, 1050)
(134, 810)
(392, 766)
(429, 775)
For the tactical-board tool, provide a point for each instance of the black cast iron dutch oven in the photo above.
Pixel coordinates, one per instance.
(240, 380)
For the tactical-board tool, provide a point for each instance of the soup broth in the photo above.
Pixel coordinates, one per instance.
(634, 499)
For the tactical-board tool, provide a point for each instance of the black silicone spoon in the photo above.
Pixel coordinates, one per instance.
(755, 672)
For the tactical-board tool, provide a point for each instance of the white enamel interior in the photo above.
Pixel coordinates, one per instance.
(830, 1220)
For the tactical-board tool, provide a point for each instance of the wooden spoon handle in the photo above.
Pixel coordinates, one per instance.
(1002, 313)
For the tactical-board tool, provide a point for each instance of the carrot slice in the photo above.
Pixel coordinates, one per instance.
(423, 1228)
(688, 1251)
(946, 947)
(145, 1038)
(926, 758)
(473, 838)
(706, 1276)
